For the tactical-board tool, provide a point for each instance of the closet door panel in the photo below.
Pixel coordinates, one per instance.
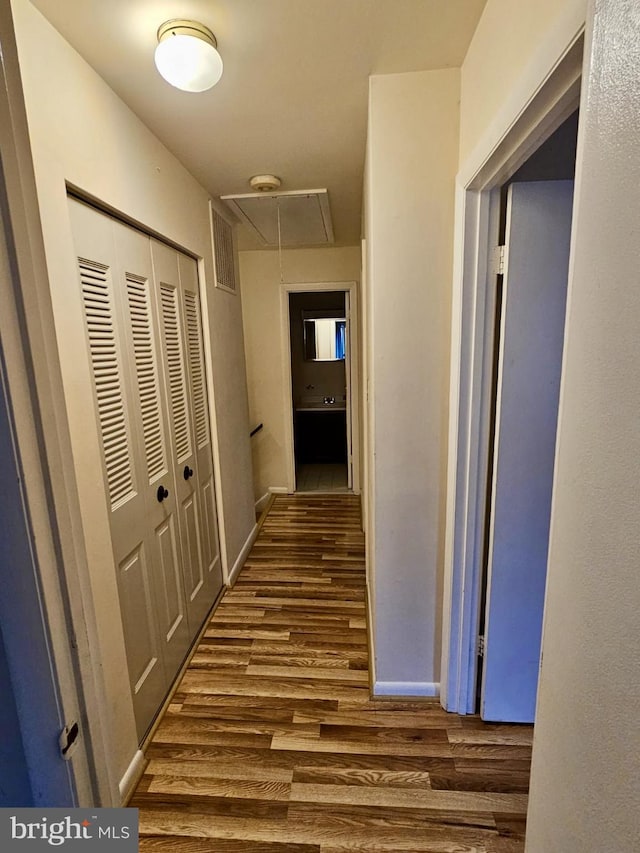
(194, 574)
(142, 645)
(210, 546)
(175, 366)
(175, 361)
(152, 431)
(203, 473)
(172, 606)
(144, 354)
(123, 474)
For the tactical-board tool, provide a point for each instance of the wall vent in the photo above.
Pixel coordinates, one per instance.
(223, 251)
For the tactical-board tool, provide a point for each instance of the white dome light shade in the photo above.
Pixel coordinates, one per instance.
(186, 56)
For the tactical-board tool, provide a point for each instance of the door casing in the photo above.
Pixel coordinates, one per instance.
(33, 382)
(353, 385)
(553, 100)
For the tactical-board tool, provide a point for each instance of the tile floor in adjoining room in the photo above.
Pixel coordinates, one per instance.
(321, 478)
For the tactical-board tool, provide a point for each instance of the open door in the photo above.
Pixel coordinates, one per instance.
(530, 364)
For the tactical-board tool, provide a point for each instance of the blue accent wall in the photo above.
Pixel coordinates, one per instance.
(15, 789)
(29, 715)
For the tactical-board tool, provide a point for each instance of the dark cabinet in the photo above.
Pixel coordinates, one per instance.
(321, 437)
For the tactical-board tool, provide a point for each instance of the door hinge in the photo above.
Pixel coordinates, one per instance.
(498, 260)
(68, 740)
(480, 647)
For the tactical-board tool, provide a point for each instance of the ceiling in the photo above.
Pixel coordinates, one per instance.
(293, 96)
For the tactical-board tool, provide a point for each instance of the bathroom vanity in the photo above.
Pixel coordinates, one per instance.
(321, 430)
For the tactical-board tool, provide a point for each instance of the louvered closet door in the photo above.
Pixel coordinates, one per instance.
(203, 472)
(176, 353)
(149, 414)
(124, 475)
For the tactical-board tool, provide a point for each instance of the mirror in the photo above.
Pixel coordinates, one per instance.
(325, 339)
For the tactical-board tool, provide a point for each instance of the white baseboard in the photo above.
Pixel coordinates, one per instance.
(262, 502)
(242, 556)
(371, 636)
(406, 688)
(132, 776)
(272, 490)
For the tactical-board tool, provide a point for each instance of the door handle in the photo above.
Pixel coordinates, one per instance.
(188, 472)
(162, 493)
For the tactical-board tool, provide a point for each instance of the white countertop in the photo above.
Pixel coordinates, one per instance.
(317, 404)
(321, 407)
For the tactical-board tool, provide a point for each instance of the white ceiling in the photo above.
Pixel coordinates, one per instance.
(293, 97)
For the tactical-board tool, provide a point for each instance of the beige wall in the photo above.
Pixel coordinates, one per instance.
(411, 166)
(510, 39)
(82, 133)
(265, 348)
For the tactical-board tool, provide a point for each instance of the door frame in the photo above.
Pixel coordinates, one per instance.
(350, 287)
(53, 585)
(549, 93)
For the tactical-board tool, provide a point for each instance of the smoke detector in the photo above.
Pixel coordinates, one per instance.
(265, 183)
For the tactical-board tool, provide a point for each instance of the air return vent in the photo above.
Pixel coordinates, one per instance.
(304, 216)
(223, 251)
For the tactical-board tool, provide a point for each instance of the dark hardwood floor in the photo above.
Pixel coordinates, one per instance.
(272, 743)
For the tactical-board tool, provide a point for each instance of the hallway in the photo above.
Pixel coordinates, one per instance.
(272, 745)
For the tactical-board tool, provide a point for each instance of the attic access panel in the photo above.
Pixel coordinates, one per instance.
(305, 217)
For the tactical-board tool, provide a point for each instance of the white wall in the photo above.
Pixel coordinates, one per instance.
(82, 133)
(265, 348)
(411, 165)
(510, 43)
(585, 784)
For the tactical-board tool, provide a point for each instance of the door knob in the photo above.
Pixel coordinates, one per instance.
(188, 472)
(162, 493)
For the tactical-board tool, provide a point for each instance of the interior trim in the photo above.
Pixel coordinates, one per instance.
(242, 556)
(406, 688)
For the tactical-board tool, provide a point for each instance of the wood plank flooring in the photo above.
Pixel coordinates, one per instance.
(272, 743)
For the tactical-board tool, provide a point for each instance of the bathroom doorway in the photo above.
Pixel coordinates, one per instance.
(318, 339)
(320, 376)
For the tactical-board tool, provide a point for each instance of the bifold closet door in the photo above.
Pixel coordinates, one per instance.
(126, 477)
(198, 397)
(142, 316)
(188, 415)
(151, 428)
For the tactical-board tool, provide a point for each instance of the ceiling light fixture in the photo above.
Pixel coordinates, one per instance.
(187, 56)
